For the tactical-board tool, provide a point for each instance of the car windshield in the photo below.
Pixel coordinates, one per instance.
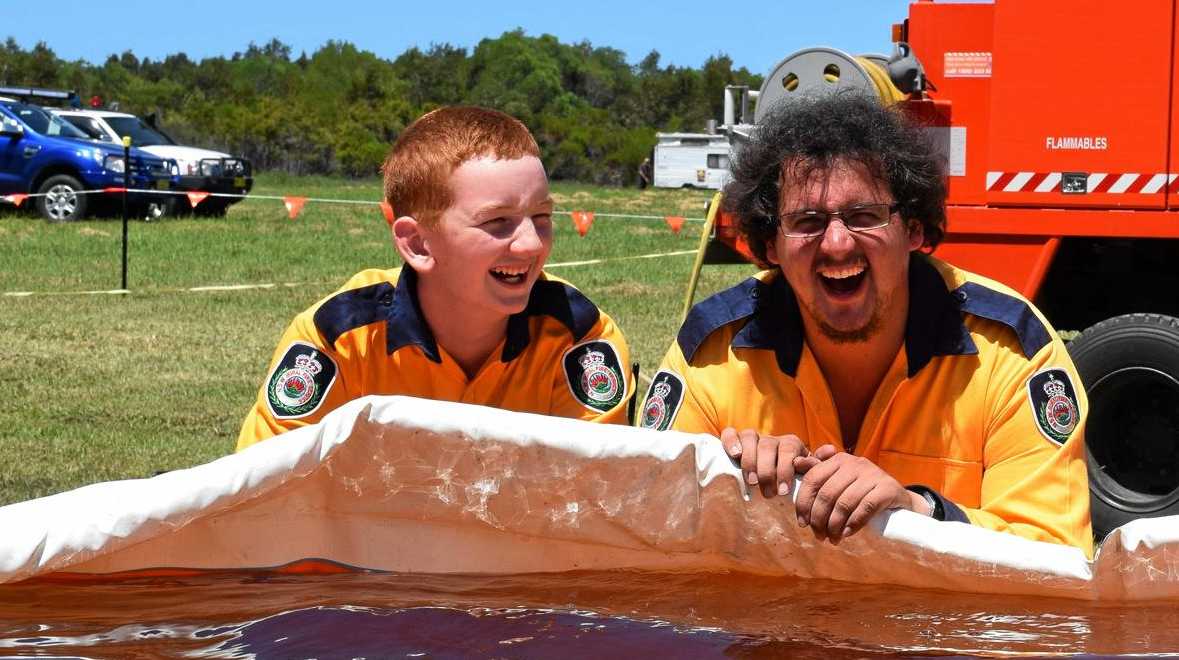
(42, 122)
(88, 126)
(141, 134)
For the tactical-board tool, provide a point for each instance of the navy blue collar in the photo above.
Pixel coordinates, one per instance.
(936, 325)
(775, 323)
(407, 325)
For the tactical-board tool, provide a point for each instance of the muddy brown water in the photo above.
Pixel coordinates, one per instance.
(570, 615)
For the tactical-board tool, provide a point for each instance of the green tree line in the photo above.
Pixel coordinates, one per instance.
(338, 110)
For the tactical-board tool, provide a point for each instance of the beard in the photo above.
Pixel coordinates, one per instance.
(855, 335)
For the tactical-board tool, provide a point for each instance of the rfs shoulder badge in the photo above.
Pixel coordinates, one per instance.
(663, 401)
(1054, 404)
(594, 374)
(299, 382)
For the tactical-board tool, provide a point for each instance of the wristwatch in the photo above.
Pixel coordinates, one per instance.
(936, 510)
(934, 505)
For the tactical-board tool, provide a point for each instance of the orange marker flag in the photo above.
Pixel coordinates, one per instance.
(294, 205)
(676, 222)
(17, 198)
(387, 209)
(582, 221)
(196, 197)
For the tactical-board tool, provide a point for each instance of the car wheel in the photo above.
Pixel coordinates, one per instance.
(1130, 369)
(60, 199)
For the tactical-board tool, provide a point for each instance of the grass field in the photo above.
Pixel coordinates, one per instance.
(111, 386)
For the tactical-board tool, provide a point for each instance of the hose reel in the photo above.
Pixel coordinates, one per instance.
(814, 70)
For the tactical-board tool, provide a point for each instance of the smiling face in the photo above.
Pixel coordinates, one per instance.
(847, 283)
(489, 246)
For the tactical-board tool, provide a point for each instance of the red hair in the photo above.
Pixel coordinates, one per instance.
(418, 168)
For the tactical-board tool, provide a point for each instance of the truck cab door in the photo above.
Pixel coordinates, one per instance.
(11, 161)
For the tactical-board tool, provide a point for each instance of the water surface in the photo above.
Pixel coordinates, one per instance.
(588, 614)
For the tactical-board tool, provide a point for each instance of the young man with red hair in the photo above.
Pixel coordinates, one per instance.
(471, 316)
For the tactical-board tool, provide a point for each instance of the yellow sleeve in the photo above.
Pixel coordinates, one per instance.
(593, 381)
(1035, 482)
(672, 401)
(305, 381)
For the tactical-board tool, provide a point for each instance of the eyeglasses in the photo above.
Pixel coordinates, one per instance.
(812, 224)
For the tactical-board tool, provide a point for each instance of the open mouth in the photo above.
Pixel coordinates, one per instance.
(843, 281)
(512, 275)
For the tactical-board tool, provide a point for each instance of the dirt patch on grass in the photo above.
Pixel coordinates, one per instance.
(90, 231)
(646, 230)
(563, 201)
(629, 288)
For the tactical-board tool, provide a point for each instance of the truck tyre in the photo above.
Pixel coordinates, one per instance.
(1130, 369)
(60, 200)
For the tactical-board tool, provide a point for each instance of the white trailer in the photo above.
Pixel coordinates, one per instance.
(691, 160)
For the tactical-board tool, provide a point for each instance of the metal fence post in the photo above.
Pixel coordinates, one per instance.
(126, 184)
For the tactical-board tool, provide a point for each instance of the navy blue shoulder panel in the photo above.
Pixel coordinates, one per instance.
(352, 309)
(715, 312)
(564, 303)
(1009, 310)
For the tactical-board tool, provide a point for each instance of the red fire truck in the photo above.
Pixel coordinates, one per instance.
(1060, 123)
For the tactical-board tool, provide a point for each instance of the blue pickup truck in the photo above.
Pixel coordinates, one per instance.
(44, 155)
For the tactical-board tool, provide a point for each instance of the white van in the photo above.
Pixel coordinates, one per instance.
(691, 160)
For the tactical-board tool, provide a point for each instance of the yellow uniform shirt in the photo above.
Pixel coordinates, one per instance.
(560, 356)
(981, 406)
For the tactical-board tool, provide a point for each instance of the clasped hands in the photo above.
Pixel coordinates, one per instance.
(839, 492)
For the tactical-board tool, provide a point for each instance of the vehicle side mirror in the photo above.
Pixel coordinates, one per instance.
(11, 128)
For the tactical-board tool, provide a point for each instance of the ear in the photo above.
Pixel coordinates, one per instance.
(772, 249)
(410, 239)
(916, 235)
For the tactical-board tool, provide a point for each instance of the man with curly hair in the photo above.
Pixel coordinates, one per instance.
(880, 376)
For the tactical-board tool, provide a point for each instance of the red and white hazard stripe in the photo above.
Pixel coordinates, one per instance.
(1099, 182)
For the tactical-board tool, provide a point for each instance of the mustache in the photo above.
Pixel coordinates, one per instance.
(841, 263)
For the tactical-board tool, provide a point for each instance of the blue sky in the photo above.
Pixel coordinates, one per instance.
(685, 33)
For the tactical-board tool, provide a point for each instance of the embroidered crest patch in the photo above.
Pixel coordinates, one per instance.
(663, 401)
(1054, 404)
(299, 382)
(594, 374)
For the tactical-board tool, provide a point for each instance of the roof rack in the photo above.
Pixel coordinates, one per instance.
(27, 94)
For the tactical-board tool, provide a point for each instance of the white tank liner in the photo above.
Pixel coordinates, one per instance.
(411, 485)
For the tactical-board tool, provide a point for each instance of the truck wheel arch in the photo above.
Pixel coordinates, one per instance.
(50, 171)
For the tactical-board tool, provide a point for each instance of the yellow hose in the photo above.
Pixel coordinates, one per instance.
(705, 236)
(888, 92)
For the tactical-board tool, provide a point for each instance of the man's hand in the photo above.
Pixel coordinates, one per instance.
(766, 460)
(840, 493)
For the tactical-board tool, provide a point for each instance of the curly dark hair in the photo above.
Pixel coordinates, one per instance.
(813, 132)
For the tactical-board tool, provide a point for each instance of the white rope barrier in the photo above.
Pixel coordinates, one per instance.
(319, 200)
